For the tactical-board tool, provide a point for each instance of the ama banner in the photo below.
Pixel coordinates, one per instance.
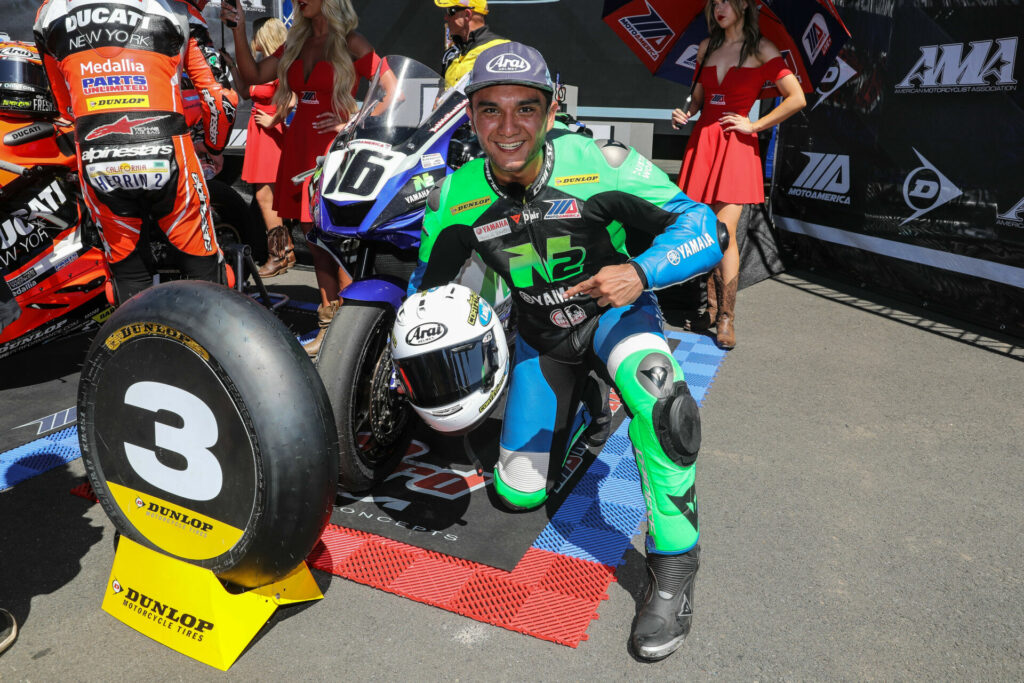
(906, 169)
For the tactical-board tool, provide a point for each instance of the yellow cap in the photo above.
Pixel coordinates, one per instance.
(478, 6)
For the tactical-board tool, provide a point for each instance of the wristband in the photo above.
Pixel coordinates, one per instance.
(640, 272)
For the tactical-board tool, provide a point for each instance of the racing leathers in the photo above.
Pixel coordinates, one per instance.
(115, 67)
(568, 224)
(458, 60)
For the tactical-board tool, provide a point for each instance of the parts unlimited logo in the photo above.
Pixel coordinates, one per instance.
(926, 189)
(987, 66)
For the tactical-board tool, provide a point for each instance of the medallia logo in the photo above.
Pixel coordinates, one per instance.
(836, 76)
(817, 40)
(826, 177)
(987, 67)
(926, 189)
(1014, 218)
(650, 30)
(508, 63)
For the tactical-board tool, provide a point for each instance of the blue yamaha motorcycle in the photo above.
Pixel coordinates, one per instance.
(368, 197)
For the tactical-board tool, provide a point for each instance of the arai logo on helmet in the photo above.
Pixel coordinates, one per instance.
(508, 64)
(425, 333)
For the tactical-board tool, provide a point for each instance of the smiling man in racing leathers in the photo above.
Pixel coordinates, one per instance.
(115, 67)
(549, 216)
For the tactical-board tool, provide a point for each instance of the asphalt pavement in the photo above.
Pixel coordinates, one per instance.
(860, 497)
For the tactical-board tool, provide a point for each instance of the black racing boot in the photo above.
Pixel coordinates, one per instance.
(595, 397)
(664, 618)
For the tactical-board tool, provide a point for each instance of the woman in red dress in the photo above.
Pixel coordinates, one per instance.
(263, 149)
(319, 64)
(722, 164)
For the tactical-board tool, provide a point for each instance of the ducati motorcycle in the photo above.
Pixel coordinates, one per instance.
(53, 275)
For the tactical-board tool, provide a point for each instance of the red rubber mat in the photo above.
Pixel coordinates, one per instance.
(547, 595)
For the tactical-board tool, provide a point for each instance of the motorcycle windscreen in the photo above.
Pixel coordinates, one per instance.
(400, 97)
(9, 308)
(443, 376)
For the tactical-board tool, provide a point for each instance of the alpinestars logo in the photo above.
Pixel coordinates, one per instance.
(825, 177)
(817, 40)
(836, 76)
(987, 67)
(650, 30)
(926, 184)
(1014, 218)
(123, 126)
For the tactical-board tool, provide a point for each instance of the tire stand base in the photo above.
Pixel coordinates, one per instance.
(188, 609)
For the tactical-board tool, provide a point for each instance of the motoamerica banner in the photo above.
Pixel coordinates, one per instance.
(906, 169)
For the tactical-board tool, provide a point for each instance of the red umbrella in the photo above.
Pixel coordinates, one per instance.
(665, 34)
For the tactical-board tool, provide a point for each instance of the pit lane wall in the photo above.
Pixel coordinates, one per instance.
(905, 173)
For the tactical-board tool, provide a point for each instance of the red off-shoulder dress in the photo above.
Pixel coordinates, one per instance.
(262, 145)
(720, 166)
(302, 143)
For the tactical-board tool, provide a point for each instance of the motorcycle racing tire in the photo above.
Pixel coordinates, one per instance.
(206, 432)
(374, 423)
(234, 221)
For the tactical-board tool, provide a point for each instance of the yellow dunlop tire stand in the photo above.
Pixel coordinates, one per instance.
(187, 608)
(218, 492)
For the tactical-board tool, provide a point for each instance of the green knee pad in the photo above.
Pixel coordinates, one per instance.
(669, 490)
(642, 379)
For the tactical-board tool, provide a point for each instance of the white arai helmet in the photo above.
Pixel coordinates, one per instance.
(451, 357)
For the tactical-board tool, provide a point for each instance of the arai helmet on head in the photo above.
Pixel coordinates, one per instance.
(24, 88)
(451, 357)
(478, 6)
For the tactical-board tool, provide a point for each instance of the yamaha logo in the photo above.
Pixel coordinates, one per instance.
(926, 189)
(986, 67)
(508, 63)
(425, 334)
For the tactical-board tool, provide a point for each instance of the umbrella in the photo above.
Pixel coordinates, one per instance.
(665, 35)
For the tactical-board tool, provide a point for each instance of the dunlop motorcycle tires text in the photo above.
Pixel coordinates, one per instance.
(206, 432)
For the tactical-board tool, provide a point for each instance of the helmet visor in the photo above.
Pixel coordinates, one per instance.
(20, 72)
(446, 375)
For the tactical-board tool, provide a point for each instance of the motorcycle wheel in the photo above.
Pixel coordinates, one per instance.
(233, 221)
(374, 422)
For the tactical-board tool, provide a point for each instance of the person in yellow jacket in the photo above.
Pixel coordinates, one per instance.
(469, 34)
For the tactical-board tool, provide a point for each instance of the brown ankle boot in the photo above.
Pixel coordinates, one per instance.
(324, 316)
(280, 253)
(726, 337)
(707, 319)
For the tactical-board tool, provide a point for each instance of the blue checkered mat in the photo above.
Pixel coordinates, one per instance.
(606, 507)
(39, 456)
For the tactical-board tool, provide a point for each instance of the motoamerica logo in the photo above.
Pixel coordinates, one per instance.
(1014, 218)
(987, 67)
(926, 189)
(825, 177)
(650, 30)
